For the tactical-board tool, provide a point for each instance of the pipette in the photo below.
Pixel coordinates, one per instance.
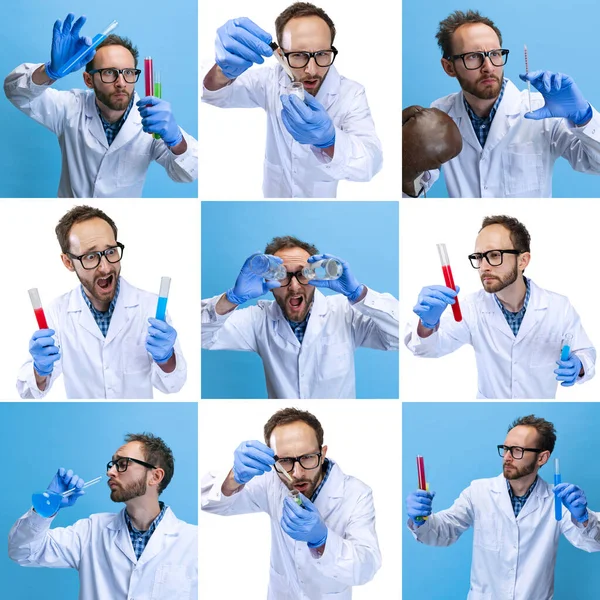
(281, 60)
(34, 296)
(47, 503)
(527, 73)
(96, 41)
(292, 493)
(422, 479)
(566, 347)
(557, 500)
(163, 296)
(449, 279)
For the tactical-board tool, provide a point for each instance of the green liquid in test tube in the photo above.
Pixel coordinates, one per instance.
(157, 94)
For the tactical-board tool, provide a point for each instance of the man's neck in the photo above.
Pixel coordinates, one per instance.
(482, 108)
(520, 486)
(513, 296)
(142, 511)
(110, 116)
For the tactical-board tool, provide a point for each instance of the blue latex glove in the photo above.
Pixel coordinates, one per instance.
(43, 351)
(347, 284)
(562, 96)
(161, 340)
(157, 117)
(303, 523)
(308, 121)
(66, 42)
(574, 499)
(240, 43)
(250, 459)
(418, 504)
(432, 302)
(248, 285)
(65, 480)
(568, 370)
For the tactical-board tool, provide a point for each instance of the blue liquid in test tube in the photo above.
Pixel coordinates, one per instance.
(557, 501)
(566, 348)
(163, 296)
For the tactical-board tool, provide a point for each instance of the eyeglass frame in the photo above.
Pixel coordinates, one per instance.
(484, 55)
(297, 459)
(484, 255)
(100, 254)
(119, 72)
(291, 276)
(312, 55)
(511, 448)
(113, 463)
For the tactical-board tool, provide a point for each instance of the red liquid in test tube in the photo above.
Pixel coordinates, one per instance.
(37, 308)
(449, 280)
(149, 76)
(421, 473)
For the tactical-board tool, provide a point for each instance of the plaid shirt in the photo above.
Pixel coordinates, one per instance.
(102, 318)
(299, 328)
(140, 539)
(514, 320)
(482, 126)
(112, 129)
(327, 466)
(518, 502)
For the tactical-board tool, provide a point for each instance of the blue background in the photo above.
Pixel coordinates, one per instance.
(36, 439)
(167, 31)
(560, 36)
(458, 442)
(363, 233)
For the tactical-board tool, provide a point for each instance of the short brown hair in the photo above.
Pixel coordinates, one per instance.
(156, 453)
(116, 40)
(289, 241)
(285, 416)
(451, 23)
(545, 429)
(301, 9)
(519, 235)
(76, 215)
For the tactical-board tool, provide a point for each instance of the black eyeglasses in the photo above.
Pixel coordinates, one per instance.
(323, 58)
(493, 257)
(307, 461)
(474, 60)
(111, 75)
(516, 451)
(90, 260)
(122, 463)
(289, 276)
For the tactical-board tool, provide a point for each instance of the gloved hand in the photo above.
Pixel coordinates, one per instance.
(157, 117)
(161, 340)
(65, 480)
(239, 44)
(562, 97)
(250, 459)
(303, 523)
(574, 499)
(568, 370)
(347, 284)
(418, 504)
(308, 121)
(43, 351)
(66, 42)
(432, 302)
(248, 285)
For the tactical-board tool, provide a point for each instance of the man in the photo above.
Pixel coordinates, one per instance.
(311, 145)
(509, 146)
(305, 339)
(101, 335)
(104, 139)
(321, 547)
(141, 552)
(516, 534)
(516, 328)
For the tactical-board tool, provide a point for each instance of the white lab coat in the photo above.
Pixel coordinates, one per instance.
(100, 548)
(294, 170)
(114, 367)
(512, 557)
(323, 365)
(509, 366)
(519, 154)
(351, 554)
(90, 167)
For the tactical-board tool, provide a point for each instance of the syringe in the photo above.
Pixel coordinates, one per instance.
(163, 296)
(34, 296)
(449, 279)
(527, 73)
(557, 500)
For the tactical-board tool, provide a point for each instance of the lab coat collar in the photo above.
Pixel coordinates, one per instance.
(499, 489)
(328, 91)
(334, 486)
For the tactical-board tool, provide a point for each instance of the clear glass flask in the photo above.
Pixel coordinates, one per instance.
(295, 88)
(328, 268)
(267, 266)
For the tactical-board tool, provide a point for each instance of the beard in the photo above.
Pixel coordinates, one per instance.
(516, 473)
(296, 316)
(94, 292)
(486, 92)
(126, 493)
(500, 283)
(111, 102)
(318, 78)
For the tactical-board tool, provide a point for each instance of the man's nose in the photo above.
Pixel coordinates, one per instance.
(295, 285)
(312, 67)
(298, 471)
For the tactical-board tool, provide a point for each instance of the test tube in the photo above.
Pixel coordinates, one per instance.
(157, 94)
(96, 41)
(557, 500)
(163, 296)
(34, 296)
(148, 76)
(449, 279)
(566, 347)
(421, 478)
(281, 60)
(323, 270)
(266, 266)
(527, 73)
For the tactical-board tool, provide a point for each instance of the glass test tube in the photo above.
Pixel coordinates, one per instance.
(421, 478)
(268, 267)
(449, 279)
(281, 60)
(557, 501)
(566, 347)
(96, 41)
(157, 93)
(163, 296)
(326, 269)
(34, 296)
(148, 76)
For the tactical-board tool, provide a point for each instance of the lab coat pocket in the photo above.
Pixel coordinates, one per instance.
(131, 168)
(171, 582)
(545, 351)
(136, 359)
(334, 357)
(279, 587)
(523, 171)
(486, 533)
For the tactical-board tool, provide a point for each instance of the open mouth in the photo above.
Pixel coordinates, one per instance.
(295, 303)
(105, 283)
(310, 84)
(301, 487)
